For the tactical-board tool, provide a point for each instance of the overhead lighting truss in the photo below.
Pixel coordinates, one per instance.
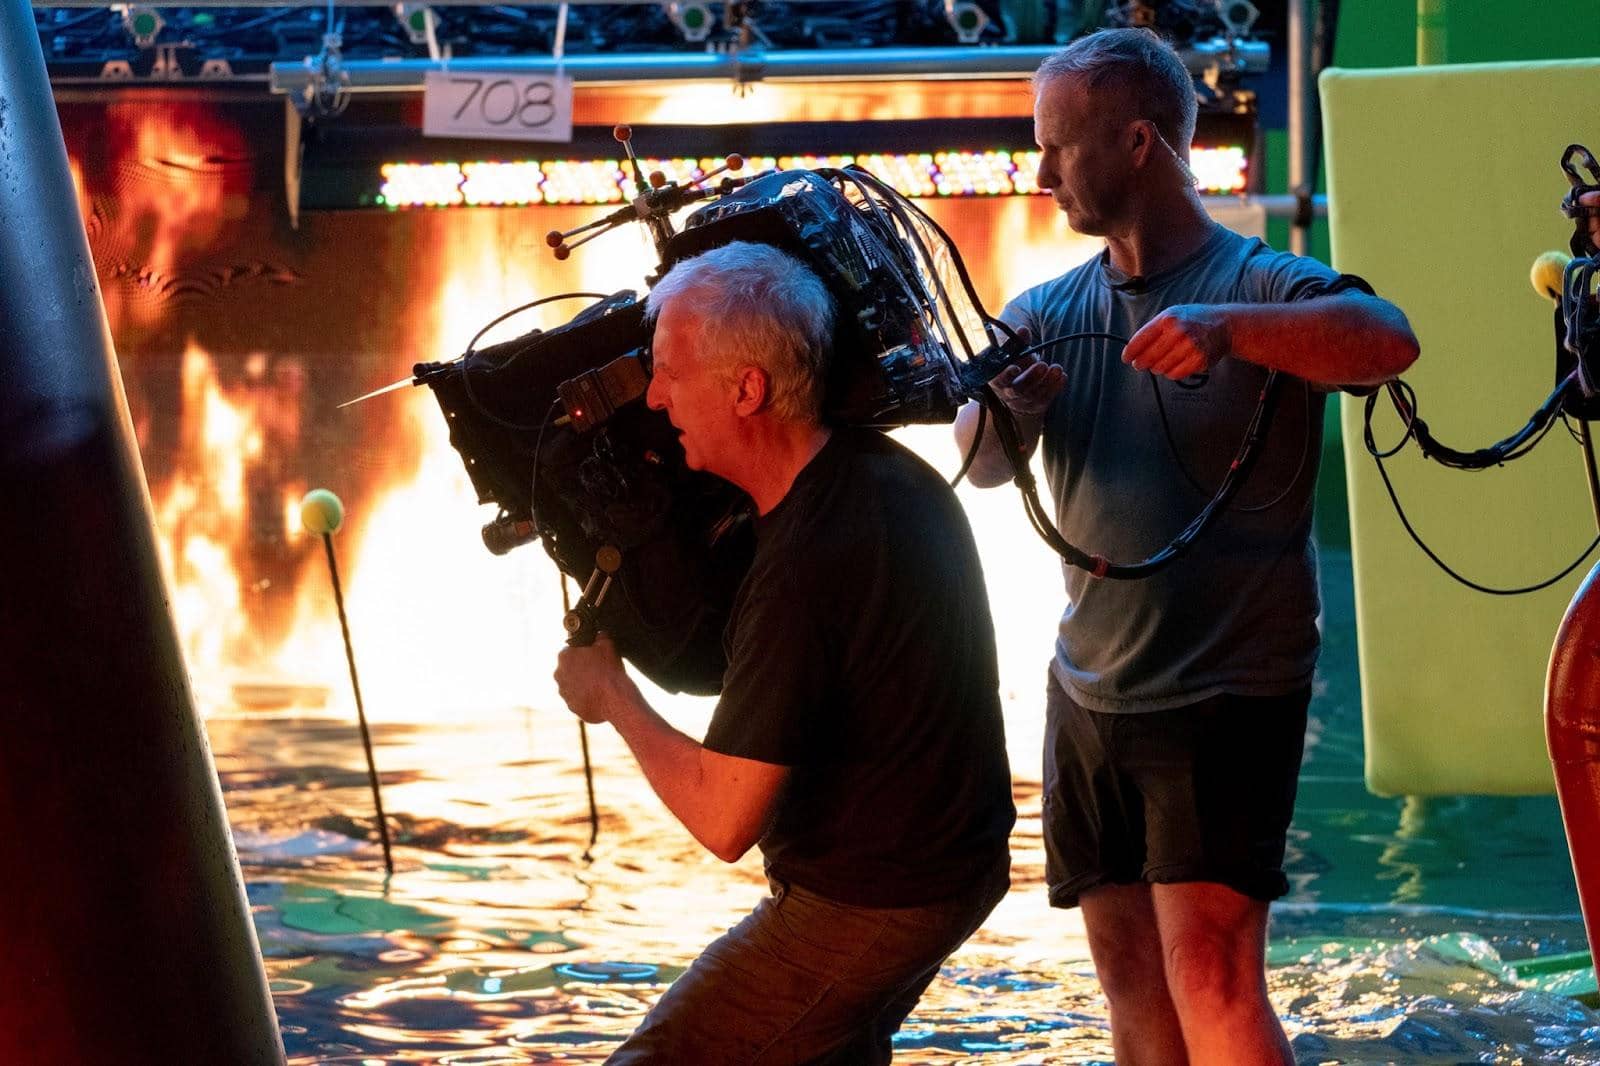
(381, 45)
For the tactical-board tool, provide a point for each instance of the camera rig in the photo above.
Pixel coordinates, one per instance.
(554, 432)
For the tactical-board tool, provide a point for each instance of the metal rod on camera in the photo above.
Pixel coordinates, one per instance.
(624, 136)
(588, 784)
(734, 161)
(660, 228)
(558, 237)
(588, 765)
(563, 249)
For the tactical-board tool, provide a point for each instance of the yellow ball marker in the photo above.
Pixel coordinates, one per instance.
(321, 512)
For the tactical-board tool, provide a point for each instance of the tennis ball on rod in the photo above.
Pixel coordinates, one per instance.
(321, 512)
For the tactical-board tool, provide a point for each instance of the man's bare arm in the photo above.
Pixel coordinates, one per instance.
(1348, 338)
(726, 802)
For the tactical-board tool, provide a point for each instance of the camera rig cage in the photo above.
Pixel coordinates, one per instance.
(603, 483)
(554, 432)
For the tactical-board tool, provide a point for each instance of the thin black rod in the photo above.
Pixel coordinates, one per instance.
(361, 711)
(588, 781)
(588, 765)
(1589, 468)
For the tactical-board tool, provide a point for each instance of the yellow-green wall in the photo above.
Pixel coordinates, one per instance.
(1383, 33)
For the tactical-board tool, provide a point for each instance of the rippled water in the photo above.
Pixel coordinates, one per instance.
(496, 941)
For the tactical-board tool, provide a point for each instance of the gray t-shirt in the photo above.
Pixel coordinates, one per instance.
(1237, 612)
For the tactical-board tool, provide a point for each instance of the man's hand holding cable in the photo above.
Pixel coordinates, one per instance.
(1180, 342)
(1028, 389)
(592, 681)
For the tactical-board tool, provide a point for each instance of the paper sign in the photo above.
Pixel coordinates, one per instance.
(502, 105)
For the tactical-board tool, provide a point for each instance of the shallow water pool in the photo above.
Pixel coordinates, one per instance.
(497, 941)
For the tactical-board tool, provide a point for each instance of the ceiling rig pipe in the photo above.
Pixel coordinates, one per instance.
(749, 65)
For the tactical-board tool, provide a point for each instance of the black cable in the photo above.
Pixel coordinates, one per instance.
(476, 337)
(1442, 565)
(956, 261)
(1571, 432)
(1099, 566)
(1177, 458)
(1404, 400)
(466, 378)
(1371, 442)
(955, 257)
(972, 451)
(1086, 335)
(879, 199)
(888, 215)
(533, 482)
(1515, 446)
(904, 207)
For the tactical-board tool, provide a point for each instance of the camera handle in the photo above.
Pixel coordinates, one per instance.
(582, 622)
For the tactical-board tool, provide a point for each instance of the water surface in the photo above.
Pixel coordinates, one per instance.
(497, 941)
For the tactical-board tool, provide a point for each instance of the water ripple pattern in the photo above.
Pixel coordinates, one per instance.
(1415, 931)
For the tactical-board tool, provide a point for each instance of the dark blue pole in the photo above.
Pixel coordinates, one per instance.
(125, 935)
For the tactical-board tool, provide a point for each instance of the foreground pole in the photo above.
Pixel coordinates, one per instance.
(1572, 730)
(125, 936)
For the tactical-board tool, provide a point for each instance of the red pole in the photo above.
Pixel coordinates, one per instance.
(1572, 731)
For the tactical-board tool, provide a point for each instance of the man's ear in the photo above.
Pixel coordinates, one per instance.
(754, 390)
(1141, 140)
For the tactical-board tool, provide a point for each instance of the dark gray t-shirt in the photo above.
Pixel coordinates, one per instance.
(1237, 612)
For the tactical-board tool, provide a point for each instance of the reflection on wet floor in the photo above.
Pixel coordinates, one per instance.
(496, 943)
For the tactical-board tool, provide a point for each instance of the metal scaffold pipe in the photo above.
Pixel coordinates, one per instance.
(1433, 32)
(748, 65)
(1300, 94)
(127, 935)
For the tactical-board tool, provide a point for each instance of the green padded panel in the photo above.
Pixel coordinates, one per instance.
(1443, 184)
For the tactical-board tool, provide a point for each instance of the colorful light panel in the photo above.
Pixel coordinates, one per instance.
(1221, 170)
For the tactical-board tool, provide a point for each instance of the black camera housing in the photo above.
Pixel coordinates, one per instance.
(684, 542)
(610, 472)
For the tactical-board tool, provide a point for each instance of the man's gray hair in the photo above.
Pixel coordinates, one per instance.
(1137, 69)
(760, 307)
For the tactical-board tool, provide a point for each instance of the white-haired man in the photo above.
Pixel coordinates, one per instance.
(858, 737)
(1176, 707)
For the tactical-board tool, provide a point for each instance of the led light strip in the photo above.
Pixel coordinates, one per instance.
(604, 181)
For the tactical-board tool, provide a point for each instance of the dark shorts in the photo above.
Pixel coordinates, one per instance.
(1197, 793)
(805, 979)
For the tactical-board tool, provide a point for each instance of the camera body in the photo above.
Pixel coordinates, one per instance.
(609, 472)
